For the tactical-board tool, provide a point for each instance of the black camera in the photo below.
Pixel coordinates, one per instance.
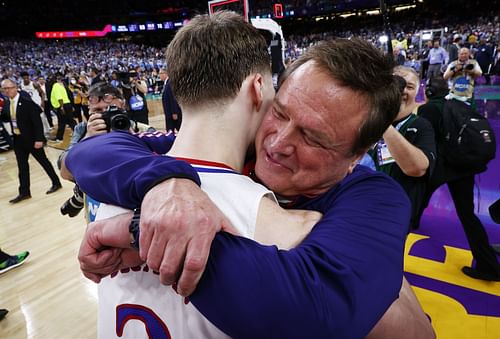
(73, 205)
(125, 77)
(469, 67)
(116, 119)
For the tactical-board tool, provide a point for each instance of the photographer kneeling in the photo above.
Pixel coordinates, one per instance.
(106, 106)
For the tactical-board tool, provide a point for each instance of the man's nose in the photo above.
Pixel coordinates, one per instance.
(282, 142)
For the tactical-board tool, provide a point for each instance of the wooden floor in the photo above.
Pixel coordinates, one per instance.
(48, 297)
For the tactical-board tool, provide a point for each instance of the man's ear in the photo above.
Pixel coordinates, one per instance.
(257, 90)
(354, 162)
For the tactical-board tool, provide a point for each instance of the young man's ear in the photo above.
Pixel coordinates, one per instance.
(257, 91)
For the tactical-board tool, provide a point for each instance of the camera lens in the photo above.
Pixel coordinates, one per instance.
(120, 122)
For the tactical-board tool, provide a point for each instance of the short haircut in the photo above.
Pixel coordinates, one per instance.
(407, 70)
(436, 87)
(100, 89)
(10, 81)
(211, 56)
(361, 67)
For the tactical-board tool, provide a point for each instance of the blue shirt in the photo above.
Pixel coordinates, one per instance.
(438, 56)
(337, 283)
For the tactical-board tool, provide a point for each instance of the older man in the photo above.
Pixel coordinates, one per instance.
(407, 151)
(23, 115)
(462, 74)
(328, 279)
(171, 109)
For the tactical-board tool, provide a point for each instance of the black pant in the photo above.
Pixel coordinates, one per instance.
(77, 112)
(46, 110)
(65, 118)
(85, 110)
(22, 154)
(462, 193)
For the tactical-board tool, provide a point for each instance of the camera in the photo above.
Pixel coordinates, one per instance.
(469, 67)
(124, 77)
(73, 205)
(116, 119)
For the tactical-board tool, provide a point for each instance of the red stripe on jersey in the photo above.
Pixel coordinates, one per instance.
(205, 163)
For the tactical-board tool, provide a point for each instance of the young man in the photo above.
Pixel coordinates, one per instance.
(239, 101)
(321, 287)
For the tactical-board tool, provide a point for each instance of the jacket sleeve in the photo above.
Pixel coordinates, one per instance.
(119, 168)
(36, 121)
(336, 284)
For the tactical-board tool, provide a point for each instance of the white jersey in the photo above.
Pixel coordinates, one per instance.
(134, 304)
(32, 91)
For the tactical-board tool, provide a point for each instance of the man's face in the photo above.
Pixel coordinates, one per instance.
(463, 55)
(436, 44)
(163, 75)
(9, 89)
(408, 99)
(26, 79)
(305, 140)
(100, 104)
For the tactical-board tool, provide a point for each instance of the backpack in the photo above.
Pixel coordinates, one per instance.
(468, 141)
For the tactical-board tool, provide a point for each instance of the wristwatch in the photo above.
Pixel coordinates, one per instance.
(133, 228)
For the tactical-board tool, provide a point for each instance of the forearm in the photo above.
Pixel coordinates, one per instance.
(448, 74)
(320, 289)
(409, 158)
(404, 319)
(123, 178)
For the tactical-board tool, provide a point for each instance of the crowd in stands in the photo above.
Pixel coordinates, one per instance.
(109, 58)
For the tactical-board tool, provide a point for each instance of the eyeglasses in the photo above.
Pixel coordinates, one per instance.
(6, 88)
(106, 98)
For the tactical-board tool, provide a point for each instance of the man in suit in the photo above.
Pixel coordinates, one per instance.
(171, 109)
(24, 118)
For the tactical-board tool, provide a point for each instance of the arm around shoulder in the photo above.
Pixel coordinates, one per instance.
(321, 288)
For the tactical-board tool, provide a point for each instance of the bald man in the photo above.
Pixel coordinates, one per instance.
(462, 74)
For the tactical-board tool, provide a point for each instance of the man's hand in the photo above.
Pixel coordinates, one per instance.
(96, 125)
(105, 248)
(38, 144)
(178, 224)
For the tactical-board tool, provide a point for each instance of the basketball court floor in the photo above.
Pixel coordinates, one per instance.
(49, 298)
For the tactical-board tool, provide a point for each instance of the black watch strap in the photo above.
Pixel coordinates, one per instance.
(133, 228)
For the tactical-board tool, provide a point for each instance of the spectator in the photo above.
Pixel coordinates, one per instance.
(61, 102)
(171, 109)
(460, 183)
(23, 115)
(454, 47)
(437, 59)
(407, 151)
(462, 74)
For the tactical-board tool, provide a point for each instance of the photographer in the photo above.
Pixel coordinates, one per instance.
(105, 107)
(462, 74)
(134, 91)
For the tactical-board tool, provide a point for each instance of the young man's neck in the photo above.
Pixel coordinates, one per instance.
(213, 135)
